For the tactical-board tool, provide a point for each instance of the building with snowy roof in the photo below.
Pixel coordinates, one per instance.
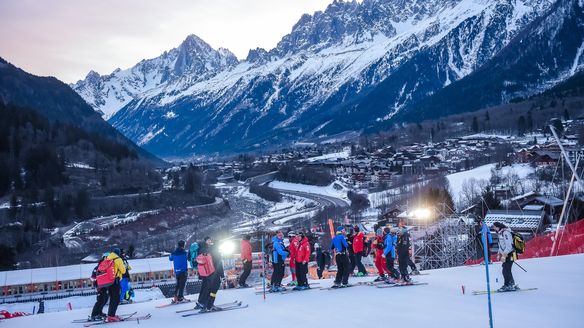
(524, 221)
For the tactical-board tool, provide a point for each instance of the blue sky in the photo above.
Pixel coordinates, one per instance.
(67, 38)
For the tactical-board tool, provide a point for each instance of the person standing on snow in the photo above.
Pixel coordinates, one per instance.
(278, 262)
(179, 260)
(211, 282)
(126, 291)
(340, 246)
(506, 255)
(379, 246)
(102, 297)
(403, 253)
(246, 259)
(389, 252)
(293, 249)
(302, 259)
(359, 251)
(109, 272)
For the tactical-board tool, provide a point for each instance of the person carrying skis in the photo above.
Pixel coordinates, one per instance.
(102, 297)
(506, 254)
(379, 246)
(279, 255)
(359, 251)
(302, 259)
(323, 259)
(389, 252)
(403, 253)
(340, 246)
(181, 271)
(246, 259)
(211, 273)
(293, 249)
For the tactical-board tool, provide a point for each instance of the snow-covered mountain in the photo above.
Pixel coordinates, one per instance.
(317, 76)
(194, 60)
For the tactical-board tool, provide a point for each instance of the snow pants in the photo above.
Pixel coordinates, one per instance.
(214, 285)
(125, 287)
(278, 274)
(245, 273)
(343, 267)
(403, 262)
(507, 275)
(181, 281)
(358, 263)
(380, 263)
(389, 262)
(301, 272)
(99, 302)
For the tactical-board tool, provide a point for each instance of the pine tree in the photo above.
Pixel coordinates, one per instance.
(521, 125)
(475, 125)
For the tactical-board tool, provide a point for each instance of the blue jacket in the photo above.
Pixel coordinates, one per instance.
(487, 231)
(339, 243)
(179, 260)
(279, 251)
(389, 245)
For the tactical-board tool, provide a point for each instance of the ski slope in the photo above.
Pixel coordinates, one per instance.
(557, 303)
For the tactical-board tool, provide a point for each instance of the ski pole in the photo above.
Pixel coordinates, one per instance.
(520, 266)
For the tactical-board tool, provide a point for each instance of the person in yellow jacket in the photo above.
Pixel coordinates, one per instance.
(114, 290)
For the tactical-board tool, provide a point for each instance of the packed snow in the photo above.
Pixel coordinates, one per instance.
(557, 302)
(457, 180)
(335, 189)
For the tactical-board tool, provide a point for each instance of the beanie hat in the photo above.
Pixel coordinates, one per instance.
(340, 228)
(116, 250)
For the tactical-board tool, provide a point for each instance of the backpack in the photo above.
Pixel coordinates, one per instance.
(205, 264)
(105, 275)
(193, 253)
(518, 242)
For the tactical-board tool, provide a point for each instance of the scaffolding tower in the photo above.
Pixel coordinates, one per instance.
(448, 242)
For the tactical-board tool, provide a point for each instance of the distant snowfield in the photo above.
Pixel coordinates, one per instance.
(456, 180)
(335, 189)
(557, 303)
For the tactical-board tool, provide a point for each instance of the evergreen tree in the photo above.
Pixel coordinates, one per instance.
(566, 114)
(475, 125)
(521, 125)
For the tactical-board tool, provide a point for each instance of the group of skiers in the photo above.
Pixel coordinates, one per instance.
(349, 250)
(111, 275)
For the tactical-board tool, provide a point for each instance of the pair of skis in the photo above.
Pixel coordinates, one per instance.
(484, 292)
(124, 318)
(237, 305)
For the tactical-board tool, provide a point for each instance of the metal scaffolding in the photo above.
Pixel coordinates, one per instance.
(448, 242)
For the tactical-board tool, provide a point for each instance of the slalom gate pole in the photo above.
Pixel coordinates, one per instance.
(263, 268)
(520, 266)
(486, 255)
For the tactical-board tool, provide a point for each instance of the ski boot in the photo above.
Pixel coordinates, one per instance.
(292, 283)
(335, 285)
(415, 272)
(99, 317)
(345, 285)
(379, 278)
(113, 318)
(505, 288)
(199, 306)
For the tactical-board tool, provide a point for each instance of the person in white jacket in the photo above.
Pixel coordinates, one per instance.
(506, 255)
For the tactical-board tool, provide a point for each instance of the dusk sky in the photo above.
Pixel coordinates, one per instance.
(68, 38)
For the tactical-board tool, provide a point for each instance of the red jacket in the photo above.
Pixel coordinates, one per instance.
(358, 242)
(245, 250)
(293, 248)
(303, 254)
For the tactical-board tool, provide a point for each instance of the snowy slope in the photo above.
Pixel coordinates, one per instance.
(328, 59)
(557, 303)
